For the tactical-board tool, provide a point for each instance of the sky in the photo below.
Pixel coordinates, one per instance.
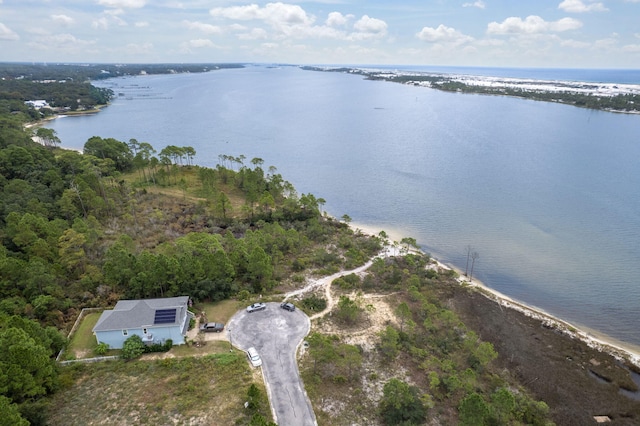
(488, 33)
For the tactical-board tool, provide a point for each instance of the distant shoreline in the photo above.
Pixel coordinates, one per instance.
(620, 350)
(621, 98)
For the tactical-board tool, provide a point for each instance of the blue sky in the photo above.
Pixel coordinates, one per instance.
(504, 33)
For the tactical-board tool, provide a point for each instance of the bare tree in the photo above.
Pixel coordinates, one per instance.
(474, 257)
(466, 270)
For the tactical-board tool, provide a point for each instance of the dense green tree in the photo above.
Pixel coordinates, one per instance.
(10, 413)
(401, 404)
(473, 410)
(48, 137)
(503, 403)
(259, 268)
(71, 251)
(322, 351)
(112, 149)
(26, 371)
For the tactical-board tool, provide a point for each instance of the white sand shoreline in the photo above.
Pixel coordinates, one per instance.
(620, 350)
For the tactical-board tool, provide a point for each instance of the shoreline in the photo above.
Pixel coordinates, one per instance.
(594, 339)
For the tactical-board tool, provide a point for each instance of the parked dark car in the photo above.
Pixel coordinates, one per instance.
(215, 327)
(256, 307)
(288, 306)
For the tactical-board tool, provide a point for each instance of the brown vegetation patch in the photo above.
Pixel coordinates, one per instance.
(554, 366)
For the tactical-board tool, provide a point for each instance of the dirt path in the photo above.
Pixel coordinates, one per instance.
(325, 282)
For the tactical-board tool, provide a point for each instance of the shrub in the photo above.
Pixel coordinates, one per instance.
(348, 282)
(101, 349)
(339, 379)
(132, 348)
(314, 303)
(243, 295)
(348, 310)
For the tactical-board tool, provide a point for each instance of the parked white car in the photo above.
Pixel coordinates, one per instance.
(254, 358)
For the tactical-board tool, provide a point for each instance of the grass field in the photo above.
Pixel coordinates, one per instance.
(83, 341)
(220, 311)
(178, 391)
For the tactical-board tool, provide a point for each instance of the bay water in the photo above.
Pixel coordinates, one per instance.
(548, 195)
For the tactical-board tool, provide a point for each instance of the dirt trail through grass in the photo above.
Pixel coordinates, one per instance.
(325, 282)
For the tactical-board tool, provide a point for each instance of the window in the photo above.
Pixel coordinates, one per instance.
(125, 332)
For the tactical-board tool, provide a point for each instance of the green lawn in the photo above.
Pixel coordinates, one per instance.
(83, 341)
(220, 311)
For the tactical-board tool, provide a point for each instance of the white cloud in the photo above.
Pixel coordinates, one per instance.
(274, 13)
(370, 25)
(141, 24)
(574, 44)
(578, 6)
(124, 4)
(479, 4)
(631, 48)
(7, 34)
(136, 49)
(443, 34)
(337, 19)
(243, 13)
(202, 27)
(63, 19)
(114, 16)
(291, 21)
(66, 42)
(254, 34)
(200, 43)
(101, 23)
(532, 25)
(608, 43)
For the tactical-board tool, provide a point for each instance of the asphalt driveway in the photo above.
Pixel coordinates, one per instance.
(276, 334)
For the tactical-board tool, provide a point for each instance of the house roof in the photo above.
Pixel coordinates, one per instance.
(129, 314)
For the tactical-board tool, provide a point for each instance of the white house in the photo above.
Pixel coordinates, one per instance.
(154, 320)
(40, 103)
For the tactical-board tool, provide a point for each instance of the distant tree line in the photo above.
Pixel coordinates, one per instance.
(68, 94)
(87, 72)
(621, 103)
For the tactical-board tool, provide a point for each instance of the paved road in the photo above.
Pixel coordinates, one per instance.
(276, 334)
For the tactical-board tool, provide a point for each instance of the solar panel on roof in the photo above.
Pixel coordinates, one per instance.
(165, 316)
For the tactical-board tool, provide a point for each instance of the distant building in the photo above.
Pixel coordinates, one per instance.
(38, 104)
(154, 320)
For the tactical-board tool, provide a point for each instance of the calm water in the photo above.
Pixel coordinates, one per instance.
(548, 195)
